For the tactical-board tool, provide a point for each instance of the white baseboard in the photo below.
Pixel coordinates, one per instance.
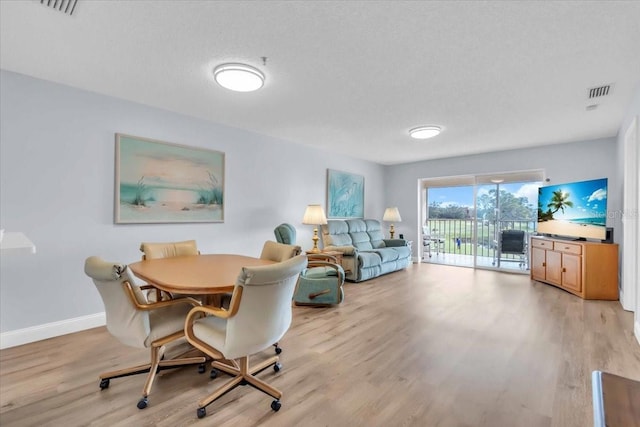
(636, 329)
(50, 330)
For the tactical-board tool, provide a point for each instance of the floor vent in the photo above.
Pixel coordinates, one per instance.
(64, 6)
(597, 92)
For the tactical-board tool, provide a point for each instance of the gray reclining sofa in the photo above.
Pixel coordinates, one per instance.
(365, 252)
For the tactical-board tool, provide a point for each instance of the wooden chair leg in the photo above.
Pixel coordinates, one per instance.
(134, 370)
(220, 391)
(151, 369)
(259, 384)
(262, 365)
(155, 362)
(225, 367)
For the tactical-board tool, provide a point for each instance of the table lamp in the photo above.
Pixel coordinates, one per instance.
(314, 215)
(392, 215)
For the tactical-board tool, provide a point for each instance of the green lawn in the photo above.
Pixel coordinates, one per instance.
(450, 230)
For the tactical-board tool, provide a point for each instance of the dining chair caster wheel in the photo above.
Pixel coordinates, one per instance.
(104, 384)
(213, 374)
(201, 368)
(278, 350)
(142, 403)
(202, 412)
(275, 405)
(277, 367)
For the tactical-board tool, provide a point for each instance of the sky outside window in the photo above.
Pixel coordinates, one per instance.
(463, 196)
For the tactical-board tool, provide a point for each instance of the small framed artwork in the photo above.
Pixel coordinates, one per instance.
(160, 182)
(345, 195)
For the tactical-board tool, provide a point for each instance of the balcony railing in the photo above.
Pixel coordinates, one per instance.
(456, 236)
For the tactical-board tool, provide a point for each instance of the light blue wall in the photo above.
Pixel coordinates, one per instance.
(57, 182)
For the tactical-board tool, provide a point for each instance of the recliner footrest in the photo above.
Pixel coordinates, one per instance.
(318, 292)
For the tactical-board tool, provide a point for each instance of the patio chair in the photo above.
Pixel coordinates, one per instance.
(431, 240)
(512, 242)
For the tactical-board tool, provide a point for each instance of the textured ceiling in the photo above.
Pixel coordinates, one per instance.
(350, 76)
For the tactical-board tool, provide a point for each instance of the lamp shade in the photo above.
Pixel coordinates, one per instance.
(314, 215)
(392, 215)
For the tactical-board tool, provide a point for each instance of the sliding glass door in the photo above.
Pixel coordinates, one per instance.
(506, 218)
(483, 222)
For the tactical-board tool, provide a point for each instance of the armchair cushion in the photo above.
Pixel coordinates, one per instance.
(279, 252)
(368, 259)
(337, 234)
(394, 242)
(321, 272)
(374, 230)
(167, 320)
(345, 250)
(155, 250)
(359, 235)
(212, 330)
(169, 249)
(387, 254)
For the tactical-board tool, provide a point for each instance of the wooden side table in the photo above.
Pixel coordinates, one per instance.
(337, 255)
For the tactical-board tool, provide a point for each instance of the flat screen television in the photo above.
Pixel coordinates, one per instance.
(574, 210)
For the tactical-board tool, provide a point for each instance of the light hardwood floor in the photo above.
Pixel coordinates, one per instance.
(430, 346)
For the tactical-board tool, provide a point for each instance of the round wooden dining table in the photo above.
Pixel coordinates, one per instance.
(195, 274)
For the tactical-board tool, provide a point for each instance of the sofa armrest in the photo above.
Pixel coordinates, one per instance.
(344, 250)
(394, 242)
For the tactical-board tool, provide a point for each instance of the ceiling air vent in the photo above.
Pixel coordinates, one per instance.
(597, 92)
(64, 6)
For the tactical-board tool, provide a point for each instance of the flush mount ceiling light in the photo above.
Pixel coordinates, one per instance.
(238, 77)
(425, 132)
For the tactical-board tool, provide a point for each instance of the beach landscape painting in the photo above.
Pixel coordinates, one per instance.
(577, 209)
(160, 182)
(345, 195)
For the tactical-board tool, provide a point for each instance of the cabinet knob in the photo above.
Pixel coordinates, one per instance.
(544, 264)
(564, 270)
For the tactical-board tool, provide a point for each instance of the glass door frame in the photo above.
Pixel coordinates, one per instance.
(476, 182)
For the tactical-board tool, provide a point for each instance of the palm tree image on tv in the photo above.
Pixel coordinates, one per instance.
(559, 200)
(575, 209)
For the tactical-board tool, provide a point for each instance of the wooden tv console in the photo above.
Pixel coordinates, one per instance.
(586, 269)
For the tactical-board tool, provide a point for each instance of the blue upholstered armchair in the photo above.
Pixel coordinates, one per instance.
(285, 233)
(320, 284)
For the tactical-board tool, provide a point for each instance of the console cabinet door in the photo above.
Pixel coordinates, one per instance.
(554, 267)
(586, 269)
(538, 264)
(571, 272)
